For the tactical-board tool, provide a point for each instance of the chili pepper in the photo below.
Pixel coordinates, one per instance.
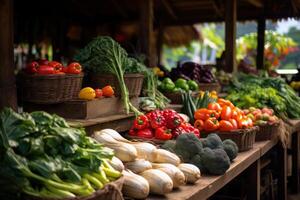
(226, 113)
(74, 68)
(199, 124)
(141, 122)
(211, 124)
(145, 133)
(45, 69)
(56, 65)
(156, 119)
(32, 67)
(173, 120)
(163, 133)
(225, 125)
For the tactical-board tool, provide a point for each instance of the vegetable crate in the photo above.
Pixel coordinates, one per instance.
(210, 87)
(111, 191)
(267, 132)
(244, 138)
(82, 109)
(133, 82)
(49, 89)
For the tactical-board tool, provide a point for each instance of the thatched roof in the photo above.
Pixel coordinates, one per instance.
(180, 35)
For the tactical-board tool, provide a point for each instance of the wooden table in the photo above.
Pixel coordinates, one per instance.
(209, 185)
(118, 122)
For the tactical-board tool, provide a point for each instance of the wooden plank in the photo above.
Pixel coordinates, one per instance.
(265, 146)
(8, 92)
(208, 185)
(282, 176)
(256, 3)
(253, 179)
(260, 43)
(169, 9)
(295, 182)
(230, 36)
(146, 30)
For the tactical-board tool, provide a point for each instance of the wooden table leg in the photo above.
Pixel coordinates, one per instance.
(253, 181)
(295, 163)
(282, 172)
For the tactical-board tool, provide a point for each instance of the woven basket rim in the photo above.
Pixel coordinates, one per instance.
(129, 75)
(50, 76)
(269, 125)
(238, 131)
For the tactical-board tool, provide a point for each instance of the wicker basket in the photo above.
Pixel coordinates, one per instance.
(210, 87)
(49, 89)
(111, 191)
(134, 83)
(176, 98)
(244, 138)
(267, 132)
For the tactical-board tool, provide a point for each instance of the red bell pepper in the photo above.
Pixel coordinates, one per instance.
(145, 133)
(98, 92)
(163, 133)
(56, 65)
(234, 124)
(225, 125)
(43, 62)
(46, 69)
(141, 122)
(74, 68)
(132, 132)
(199, 124)
(32, 67)
(174, 120)
(226, 113)
(156, 119)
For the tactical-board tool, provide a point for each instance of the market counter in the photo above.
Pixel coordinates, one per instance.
(209, 185)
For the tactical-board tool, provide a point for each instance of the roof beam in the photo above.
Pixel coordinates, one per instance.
(169, 9)
(257, 3)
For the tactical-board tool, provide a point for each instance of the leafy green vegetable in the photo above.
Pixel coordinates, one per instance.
(42, 156)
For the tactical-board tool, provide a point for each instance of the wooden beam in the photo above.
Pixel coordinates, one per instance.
(8, 96)
(257, 3)
(146, 31)
(169, 9)
(159, 43)
(230, 35)
(261, 27)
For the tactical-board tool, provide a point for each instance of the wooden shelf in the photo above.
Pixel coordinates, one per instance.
(209, 185)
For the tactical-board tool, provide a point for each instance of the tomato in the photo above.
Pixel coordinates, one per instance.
(108, 91)
(199, 124)
(99, 93)
(234, 124)
(32, 67)
(243, 123)
(225, 125)
(236, 115)
(211, 124)
(46, 69)
(214, 106)
(74, 68)
(226, 113)
(56, 65)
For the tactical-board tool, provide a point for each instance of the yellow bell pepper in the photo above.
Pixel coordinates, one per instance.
(87, 93)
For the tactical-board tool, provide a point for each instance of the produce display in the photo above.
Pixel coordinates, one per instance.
(167, 85)
(89, 93)
(42, 156)
(45, 67)
(252, 91)
(148, 169)
(261, 117)
(223, 77)
(210, 155)
(162, 125)
(192, 71)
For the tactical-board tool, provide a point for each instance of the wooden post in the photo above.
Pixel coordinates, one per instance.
(282, 169)
(159, 43)
(146, 30)
(230, 35)
(295, 182)
(261, 27)
(8, 96)
(253, 179)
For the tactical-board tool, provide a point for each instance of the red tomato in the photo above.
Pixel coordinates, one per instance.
(74, 68)
(99, 93)
(226, 113)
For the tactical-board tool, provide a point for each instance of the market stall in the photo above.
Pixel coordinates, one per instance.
(111, 128)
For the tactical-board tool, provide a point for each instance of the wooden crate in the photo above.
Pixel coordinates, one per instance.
(81, 109)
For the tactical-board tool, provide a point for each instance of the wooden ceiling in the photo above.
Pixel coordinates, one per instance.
(169, 12)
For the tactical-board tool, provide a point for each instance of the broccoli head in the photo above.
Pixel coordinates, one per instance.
(215, 161)
(212, 141)
(187, 145)
(196, 160)
(169, 145)
(230, 148)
